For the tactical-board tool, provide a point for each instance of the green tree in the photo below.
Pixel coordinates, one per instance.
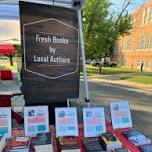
(18, 53)
(18, 50)
(10, 56)
(102, 29)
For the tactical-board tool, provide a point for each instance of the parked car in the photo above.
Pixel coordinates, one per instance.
(88, 61)
(104, 62)
(96, 62)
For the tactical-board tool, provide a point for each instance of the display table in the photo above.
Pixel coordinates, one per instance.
(9, 87)
(7, 90)
(118, 133)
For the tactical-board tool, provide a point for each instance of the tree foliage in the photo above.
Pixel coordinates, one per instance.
(18, 50)
(102, 29)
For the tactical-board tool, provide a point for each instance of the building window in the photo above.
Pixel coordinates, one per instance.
(146, 64)
(127, 44)
(146, 16)
(150, 15)
(139, 62)
(124, 62)
(150, 64)
(144, 41)
(150, 43)
(116, 46)
(138, 42)
(143, 18)
(133, 22)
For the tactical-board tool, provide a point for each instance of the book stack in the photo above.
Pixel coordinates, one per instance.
(146, 148)
(136, 137)
(120, 150)
(93, 145)
(110, 142)
(20, 144)
(42, 142)
(70, 146)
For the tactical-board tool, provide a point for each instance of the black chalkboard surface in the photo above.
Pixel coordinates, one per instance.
(51, 54)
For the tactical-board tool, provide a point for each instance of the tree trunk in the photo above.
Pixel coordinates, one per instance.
(11, 60)
(100, 69)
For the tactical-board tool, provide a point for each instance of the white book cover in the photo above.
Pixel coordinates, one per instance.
(94, 121)
(66, 122)
(36, 120)
(120, 114)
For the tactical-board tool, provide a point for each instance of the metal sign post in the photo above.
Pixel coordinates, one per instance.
(83, 56)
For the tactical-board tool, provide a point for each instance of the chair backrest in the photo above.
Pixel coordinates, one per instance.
(6, 75)
(5, 101)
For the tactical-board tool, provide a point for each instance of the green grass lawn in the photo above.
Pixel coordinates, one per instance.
(8, 66)
(141, 79)
(93, 71)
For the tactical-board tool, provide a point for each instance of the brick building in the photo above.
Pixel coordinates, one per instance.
(133, 49)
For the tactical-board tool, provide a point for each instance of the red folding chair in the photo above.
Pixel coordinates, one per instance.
(6, 75)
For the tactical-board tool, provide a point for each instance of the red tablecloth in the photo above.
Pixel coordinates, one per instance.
(118, 133)
(125, 142)
(6, 75)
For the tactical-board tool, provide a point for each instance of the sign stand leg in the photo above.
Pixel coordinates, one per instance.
(83, 58)
(68, 103)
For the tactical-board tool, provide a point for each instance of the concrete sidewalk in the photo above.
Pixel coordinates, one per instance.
(117, 79)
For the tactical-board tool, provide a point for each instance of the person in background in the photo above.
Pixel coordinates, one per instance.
(141, 67)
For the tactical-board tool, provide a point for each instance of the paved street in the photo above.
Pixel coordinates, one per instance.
(102, 93)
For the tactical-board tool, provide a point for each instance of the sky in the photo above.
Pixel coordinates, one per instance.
(12, 11)
(135, 4)
(9, 8)
(9, 15)
(9, 19)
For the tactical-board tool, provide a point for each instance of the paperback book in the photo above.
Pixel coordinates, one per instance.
(121, 150)
(110, 142)
(2, 141)
(70, 147)
(42, 142)
(20, 144)
(93, 145)
(146, 148)
(136, 137)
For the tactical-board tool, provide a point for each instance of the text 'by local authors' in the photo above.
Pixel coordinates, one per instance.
(51, 59)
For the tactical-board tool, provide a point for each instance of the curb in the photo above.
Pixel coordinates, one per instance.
(123, 83)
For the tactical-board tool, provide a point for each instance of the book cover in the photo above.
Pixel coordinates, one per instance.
(110, 141)
(136, 137)
(146, 148)
(110, 138)
(42, 142)
(2, 136)
(93, 145)
(2, 141)
(70, 147)
(121, 150)
(43, 139)
(20, 144)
